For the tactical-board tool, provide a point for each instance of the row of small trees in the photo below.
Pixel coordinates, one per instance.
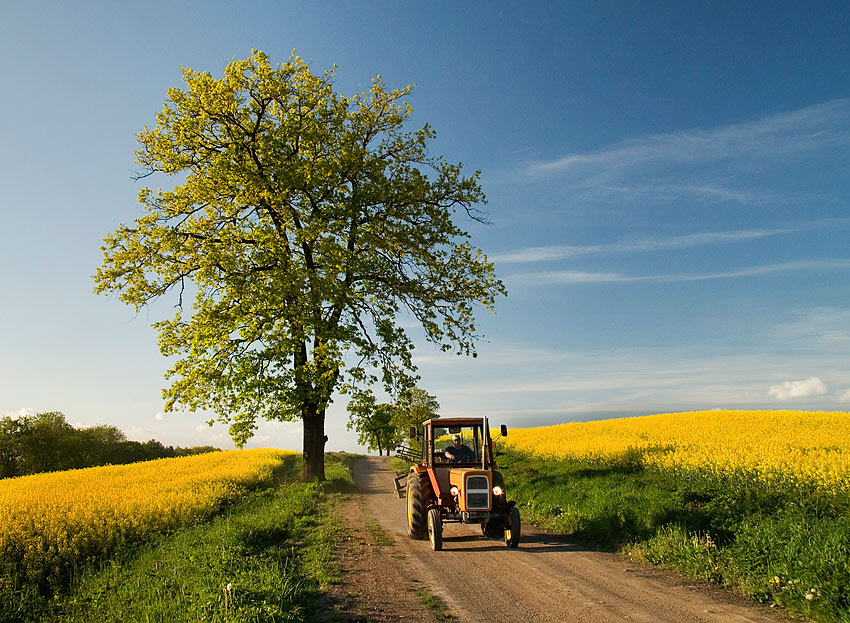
(382, 426)
(45, 442)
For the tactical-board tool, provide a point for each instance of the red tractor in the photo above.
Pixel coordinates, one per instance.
(457, 481)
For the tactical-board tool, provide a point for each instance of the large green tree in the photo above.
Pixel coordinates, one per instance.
(302, 222)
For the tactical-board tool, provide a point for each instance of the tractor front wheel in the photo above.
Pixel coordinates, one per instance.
(512, 530)
(435, 529)
(418, 498)
(492, 529)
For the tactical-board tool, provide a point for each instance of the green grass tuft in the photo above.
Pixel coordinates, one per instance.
(436, 605)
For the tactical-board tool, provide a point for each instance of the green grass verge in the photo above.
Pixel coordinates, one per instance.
(264, 558)
(435, 605)
(399, 464)
(379, 535)
(775, 544)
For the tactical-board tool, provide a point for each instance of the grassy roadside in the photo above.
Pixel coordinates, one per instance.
(264, 558)
(776, 544)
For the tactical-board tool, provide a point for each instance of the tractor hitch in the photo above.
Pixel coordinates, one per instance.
(400, 484)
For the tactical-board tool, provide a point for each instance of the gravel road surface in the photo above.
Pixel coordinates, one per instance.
(549, 578)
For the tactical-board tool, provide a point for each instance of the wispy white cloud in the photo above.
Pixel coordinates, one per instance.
(722, 164)
(803, 265)
(799, 389)
(570, 277)
(773, 137)
(818, 327)
(844, 396)
(559, 252)
(705, 190)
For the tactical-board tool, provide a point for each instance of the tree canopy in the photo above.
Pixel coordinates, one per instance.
(302, 222)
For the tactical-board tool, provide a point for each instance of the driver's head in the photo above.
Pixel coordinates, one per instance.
(455, 439)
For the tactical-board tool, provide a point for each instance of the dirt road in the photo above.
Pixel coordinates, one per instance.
(549, 578)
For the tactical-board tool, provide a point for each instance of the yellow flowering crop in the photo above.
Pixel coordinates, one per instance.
(48, 521)
(805, 447)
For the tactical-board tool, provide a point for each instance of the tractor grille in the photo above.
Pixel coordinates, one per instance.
(477, 493)
(477, 501)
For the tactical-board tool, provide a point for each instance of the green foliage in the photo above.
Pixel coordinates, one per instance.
(375, 423)
(265, 558)
(45, 442)
(415, 406)
(771, 542)
(383, 426)
(304, 222)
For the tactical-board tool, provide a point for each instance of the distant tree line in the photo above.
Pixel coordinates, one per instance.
(45, 442)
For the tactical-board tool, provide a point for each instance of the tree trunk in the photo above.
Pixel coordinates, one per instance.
(313, 419)
(314, 443)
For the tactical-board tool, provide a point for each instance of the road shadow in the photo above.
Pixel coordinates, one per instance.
(373, 476)
(534, 542)
(376, 488)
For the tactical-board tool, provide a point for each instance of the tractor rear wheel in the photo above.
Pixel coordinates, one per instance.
(435, 529)
(512, 531)
(418, 499)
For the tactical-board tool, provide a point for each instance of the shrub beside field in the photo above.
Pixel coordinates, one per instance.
(163, 540)
(754, 500)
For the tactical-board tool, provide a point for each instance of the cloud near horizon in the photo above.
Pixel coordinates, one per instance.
(798, 389)
(20, 413)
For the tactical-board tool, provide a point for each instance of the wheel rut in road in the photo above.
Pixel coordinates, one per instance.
(549, 578)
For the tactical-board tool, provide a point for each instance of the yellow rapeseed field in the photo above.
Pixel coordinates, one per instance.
(804, 447)
(49, 521)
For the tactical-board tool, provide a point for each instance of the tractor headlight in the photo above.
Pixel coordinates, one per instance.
(497, 491)
(455, 491)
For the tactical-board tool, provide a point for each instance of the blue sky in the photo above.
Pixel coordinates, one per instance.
(668, 185)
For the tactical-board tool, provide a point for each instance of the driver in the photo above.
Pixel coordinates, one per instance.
(459, 453)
